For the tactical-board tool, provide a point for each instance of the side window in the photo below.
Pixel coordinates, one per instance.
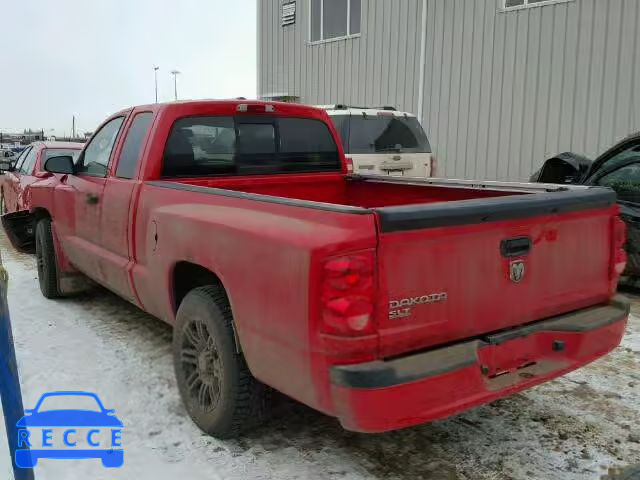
(96, 155)
(132, 148)
(625, 181)
(29, 162)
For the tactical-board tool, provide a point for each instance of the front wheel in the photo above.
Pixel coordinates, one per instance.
(215, 384)
(46, 258)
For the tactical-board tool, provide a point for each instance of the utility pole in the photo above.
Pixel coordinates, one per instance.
(155, 73)
(73, 127)
(175, 74)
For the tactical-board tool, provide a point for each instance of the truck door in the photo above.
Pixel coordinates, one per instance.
(115, 239)
(79, 202)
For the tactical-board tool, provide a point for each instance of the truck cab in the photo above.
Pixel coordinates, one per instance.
(383, 141)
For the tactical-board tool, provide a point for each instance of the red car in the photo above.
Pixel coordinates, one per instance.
(28, 169)
(383, 301)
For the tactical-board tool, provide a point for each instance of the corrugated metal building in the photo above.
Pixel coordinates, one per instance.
(498, 86)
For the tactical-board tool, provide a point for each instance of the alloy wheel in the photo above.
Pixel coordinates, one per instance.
(201, 365)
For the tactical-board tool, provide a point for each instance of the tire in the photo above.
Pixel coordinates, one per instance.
(216, 386)
(46, 258)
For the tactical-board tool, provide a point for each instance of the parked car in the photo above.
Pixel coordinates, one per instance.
(383, 301)
(26, 169)
(6, 154)
(618, 168)
(383, 141)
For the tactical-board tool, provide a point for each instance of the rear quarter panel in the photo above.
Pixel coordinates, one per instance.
(265, 255)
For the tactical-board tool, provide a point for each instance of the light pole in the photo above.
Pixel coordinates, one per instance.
(175, 74)
(155, 73)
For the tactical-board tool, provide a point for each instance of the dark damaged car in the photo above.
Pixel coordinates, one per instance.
(618, 168)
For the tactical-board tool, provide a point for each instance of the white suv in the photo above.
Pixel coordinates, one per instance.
(383, 141)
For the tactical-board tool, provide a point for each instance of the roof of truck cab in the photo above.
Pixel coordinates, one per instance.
(186, 108)
(284, 106)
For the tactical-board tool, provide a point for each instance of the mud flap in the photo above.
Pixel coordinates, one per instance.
(20, 229)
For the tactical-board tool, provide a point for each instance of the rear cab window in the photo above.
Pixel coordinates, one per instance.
(246, 145)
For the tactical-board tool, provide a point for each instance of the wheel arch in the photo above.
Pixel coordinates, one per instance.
(21, 228)
(186, 276)
(39, 213)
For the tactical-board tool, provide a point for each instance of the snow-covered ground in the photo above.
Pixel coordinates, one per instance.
(573, 428)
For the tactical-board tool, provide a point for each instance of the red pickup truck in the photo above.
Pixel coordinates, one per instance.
(385, 302)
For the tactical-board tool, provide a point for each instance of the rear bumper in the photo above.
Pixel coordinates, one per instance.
(386, 395)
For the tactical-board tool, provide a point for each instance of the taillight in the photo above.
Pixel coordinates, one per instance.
(619, 261)
(347, 295)
(349, 162)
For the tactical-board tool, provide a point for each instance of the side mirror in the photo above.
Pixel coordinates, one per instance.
(28, 411)
(61, 164)
(6, 165)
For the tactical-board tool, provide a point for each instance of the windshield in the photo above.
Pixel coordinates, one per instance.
(378, 134)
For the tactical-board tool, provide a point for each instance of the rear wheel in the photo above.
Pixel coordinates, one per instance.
(215, 384)
(46, 258)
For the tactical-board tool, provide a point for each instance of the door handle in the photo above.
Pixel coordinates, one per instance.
(92, 198)
(515, 247)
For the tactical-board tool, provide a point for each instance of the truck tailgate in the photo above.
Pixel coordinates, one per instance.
(459, 270)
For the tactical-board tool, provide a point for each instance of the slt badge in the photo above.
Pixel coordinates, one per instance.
(401, 308)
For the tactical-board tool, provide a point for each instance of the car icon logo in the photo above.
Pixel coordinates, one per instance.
(103, 431)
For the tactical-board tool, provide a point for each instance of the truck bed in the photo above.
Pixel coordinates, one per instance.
(446, 248)
(361, 191)
(408, 203)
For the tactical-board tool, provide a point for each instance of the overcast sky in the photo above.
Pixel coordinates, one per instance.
(94, 57)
